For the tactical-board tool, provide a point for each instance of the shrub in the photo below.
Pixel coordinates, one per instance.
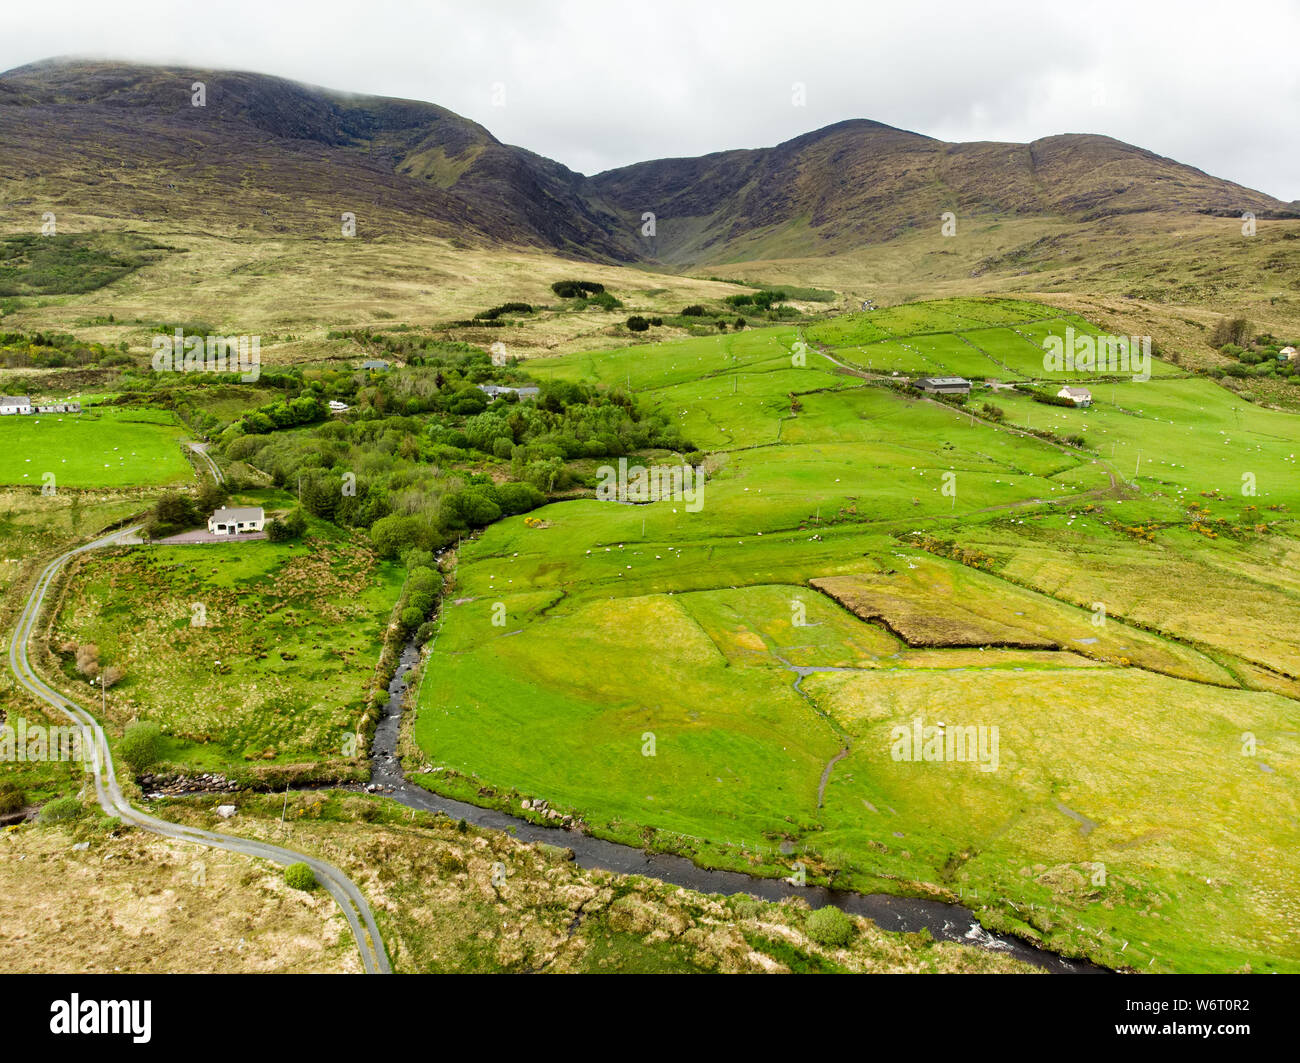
(289, 527)
(426, 632)
(504, 308)
(11, 798)
(694, 310)
(300, 876)
(60, 810)
(636, 323)
(1231, 330)
(141, 746)
(574, 289)
(829, 926)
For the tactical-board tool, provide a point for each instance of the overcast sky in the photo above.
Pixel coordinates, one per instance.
(602, 84)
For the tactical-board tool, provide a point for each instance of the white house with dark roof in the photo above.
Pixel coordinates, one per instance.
(1078, 396)
(234, 520)
(15, 404)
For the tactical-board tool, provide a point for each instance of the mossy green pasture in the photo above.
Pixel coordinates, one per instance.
(1125, 819)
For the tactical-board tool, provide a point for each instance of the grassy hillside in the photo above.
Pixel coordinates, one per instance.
(100, 447)
(829, 589)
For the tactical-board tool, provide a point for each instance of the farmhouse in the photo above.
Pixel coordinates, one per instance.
(943, 385)
(1286, 354)
(493, 391)
(236, 519)
(59, 407)
(15, 404)
(1078, 396)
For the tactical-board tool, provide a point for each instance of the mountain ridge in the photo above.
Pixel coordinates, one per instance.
(297, 153)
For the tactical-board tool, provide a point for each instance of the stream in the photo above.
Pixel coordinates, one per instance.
(945, 922)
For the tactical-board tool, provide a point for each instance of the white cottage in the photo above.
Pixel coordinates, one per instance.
(236, 519)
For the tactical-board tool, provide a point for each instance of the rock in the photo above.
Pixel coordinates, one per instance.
(225, 811)
(81, 846)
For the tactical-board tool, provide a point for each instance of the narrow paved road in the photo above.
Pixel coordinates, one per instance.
(201, 449)
(374, 958)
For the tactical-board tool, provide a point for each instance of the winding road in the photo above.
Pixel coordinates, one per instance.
(350, 900)
(201, 449)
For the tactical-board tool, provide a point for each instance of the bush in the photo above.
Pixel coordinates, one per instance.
(141, 746)
(1235, 330)
(504, 308)
(290, 527)
(425, 632)
(300, 876)
(60, 810)
(829, 926)
(11, 798)
(694, 310)
(636, 323)
(574, 289)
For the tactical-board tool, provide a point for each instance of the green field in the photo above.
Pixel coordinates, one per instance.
(1123, 821)
(277, 672)
(103, 447)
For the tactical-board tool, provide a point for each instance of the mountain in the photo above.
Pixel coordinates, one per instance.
(268, 156)
(862, 182)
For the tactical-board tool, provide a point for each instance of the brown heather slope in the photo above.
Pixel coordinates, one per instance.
(269, 156)
(272, 156)
(861, 182)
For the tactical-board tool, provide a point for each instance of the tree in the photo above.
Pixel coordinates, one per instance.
(211, 496)
(1231, 330)
(395, 534)
(175, 510)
